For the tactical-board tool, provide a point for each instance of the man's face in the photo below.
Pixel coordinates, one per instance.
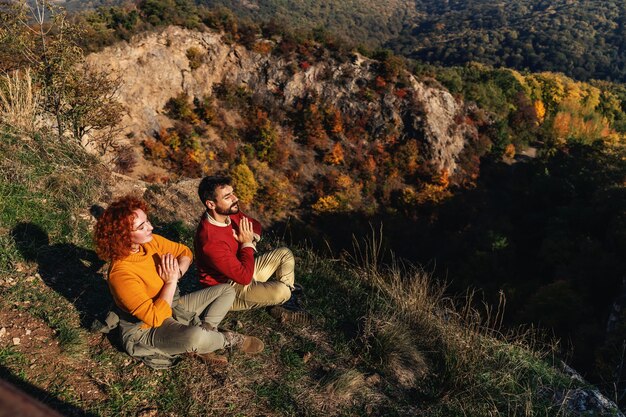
(226, 202)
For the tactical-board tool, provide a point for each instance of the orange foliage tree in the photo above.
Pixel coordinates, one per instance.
(335, 156)
(315, 134)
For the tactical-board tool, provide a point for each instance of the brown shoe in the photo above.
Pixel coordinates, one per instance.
(246, 344)
(210, 358)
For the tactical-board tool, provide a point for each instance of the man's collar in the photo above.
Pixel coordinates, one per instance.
(214, 222)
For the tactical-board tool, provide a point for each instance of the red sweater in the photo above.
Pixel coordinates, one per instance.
(220, 257)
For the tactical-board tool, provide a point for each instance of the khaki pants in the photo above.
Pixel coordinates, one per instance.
(261, 292)
(210, 305)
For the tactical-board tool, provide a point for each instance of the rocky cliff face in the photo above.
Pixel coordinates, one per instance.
(155, 67)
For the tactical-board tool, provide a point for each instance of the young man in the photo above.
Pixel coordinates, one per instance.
(225, 246)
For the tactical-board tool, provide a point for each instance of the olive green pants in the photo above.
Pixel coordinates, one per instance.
(210, 305)
(261, 291)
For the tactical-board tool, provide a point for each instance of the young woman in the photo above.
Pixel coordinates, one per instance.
(155, 322)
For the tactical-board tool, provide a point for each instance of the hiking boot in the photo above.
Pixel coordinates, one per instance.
(283, 314)
(293, 304)
(246, 344)
(210, 358)
(298, 290)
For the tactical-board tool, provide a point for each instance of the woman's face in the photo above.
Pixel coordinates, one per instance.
(142, 229)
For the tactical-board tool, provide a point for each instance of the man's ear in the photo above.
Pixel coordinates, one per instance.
(210, 204)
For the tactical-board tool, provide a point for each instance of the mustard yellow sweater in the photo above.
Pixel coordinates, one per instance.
(135, 283)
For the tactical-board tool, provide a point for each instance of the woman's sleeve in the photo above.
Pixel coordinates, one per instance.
(167, 246)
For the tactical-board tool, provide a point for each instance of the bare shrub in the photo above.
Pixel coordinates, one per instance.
(195, 57)
(125, 159)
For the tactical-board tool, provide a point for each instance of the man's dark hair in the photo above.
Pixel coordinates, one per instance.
(208, 185)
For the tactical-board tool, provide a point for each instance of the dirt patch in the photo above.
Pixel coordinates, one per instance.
(37, 356)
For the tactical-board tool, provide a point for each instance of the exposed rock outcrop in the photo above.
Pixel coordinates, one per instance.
(585, 401)
(155, 67)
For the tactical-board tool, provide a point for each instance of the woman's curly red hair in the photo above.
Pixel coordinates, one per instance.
(112, 232)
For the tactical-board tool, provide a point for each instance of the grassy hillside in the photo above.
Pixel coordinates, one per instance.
(385, 341)
(548, 230)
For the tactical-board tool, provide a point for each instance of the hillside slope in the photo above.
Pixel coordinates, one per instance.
(369, 352)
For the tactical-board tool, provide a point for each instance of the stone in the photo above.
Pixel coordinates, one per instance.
(16, 341)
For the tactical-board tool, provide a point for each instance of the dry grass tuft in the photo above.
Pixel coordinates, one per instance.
(19, 100)
(420, 338)
(346, 383)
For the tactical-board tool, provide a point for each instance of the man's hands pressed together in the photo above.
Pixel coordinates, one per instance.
(246, 233)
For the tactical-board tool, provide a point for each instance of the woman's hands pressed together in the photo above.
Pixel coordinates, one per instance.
(169, 270)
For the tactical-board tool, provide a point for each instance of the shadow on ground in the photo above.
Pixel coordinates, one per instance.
(68, 269)
(45, 397)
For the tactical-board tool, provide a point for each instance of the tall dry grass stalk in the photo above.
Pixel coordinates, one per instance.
(19, 100)
(414, 329)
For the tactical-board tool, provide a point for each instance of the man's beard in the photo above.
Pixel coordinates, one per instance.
(233, 209)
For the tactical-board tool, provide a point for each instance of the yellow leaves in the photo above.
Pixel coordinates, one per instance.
(434, 193)
(552, 87)
(558, 92)
(561, 125)
(245, 184)
(574, 108)
(334, 120)
(344, 182)
(568, 126)
(335, 156)
(428, 193)
(540, 111)
(520, 79)
(326, 204)
(509, 151)
(347, 197)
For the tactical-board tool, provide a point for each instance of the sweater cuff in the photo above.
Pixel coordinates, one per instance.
(249, 245)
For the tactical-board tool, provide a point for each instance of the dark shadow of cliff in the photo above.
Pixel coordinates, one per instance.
(32, 391)
(71, 271)
(548, 232)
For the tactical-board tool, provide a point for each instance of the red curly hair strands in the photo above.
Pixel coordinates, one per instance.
(112, 232)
